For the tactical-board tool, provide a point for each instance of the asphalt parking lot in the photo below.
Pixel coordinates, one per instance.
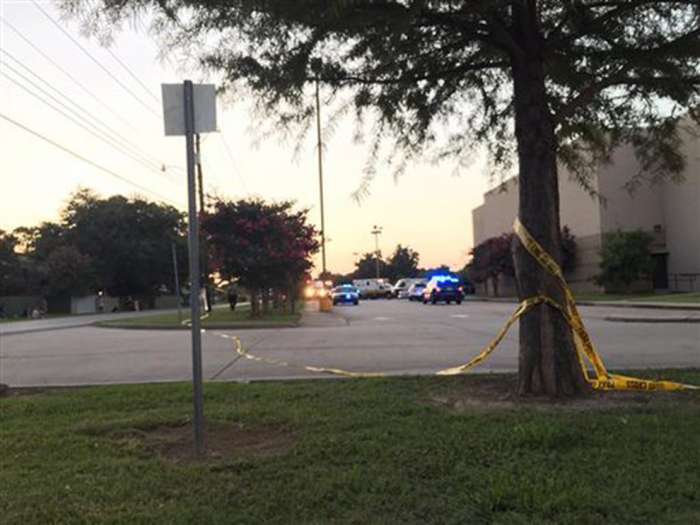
(396, 337)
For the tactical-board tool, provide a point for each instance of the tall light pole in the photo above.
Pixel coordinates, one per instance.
(320, 176)
(376, 231)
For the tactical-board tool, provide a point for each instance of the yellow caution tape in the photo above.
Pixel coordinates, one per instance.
(583, 344)
(337, 371)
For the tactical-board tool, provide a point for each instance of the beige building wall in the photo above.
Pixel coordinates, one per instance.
(498, 212)
(622, 210)
(681, 206)
(670, 211)
(579, 211)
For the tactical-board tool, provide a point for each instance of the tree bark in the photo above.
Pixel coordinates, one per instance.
(265, 295)
(547, 359)
(254, 304)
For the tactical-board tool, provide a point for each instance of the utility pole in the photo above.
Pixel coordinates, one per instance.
(320, 175)
(194, 255)
(177, 283)
(200, 178)
(205, 253)
(376, 231)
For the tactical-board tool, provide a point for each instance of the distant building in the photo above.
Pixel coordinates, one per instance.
(669, 211)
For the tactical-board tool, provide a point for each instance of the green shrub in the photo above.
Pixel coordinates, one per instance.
(625, 258)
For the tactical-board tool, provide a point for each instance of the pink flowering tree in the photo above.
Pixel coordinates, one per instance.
(266, 246)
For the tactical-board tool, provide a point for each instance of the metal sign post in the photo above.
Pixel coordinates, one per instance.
(193, 237)
(177, 283)
(183, 118)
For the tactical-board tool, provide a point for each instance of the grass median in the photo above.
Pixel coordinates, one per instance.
(401, 450)
(218, 318)
(681, 297)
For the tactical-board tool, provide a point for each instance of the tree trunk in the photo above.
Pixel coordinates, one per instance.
(547, 359)
(254, 304)
(292, 298)
(265, 294)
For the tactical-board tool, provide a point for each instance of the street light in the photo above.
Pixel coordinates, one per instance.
(376, 231)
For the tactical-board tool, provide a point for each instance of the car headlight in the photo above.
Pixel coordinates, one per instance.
(309, 292)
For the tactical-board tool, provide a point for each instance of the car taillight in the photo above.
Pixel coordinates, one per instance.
(461, 288)
(437, 288)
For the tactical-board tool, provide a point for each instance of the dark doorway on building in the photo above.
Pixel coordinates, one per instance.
(660, 275)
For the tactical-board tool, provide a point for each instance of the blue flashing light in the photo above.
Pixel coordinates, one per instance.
(445, 278)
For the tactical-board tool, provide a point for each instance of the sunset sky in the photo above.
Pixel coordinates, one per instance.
(428, 208)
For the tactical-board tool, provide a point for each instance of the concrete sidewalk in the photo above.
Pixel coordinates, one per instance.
(671, 318)
(71, 321)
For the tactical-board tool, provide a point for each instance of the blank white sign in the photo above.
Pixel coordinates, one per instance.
(174, 108)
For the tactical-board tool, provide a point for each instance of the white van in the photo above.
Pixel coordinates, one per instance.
(373, 288)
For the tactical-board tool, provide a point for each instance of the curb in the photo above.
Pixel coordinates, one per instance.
(655, 306)
(612, 304)
(222, 326)
(628, 319)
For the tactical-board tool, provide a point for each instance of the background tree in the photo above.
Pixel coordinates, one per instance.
(366, 267)
(427, 272)
(11, 278)
(625, 258)
(128, 241)
(69, 273)
(538, 80)
(402, 263)
(491, 259)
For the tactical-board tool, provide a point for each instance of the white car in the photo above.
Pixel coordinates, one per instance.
(402, 286)
(415, 291)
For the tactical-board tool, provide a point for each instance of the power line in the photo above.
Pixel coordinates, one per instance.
(144, 157)
(86, 160)
(233, 162)
(77, 82)
(95, 132)
(95, 60)
(133, 75)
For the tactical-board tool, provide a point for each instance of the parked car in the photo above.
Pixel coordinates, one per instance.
(415, 291)
(445, 288)
(400, 289)
(345, 294)
(373, 288)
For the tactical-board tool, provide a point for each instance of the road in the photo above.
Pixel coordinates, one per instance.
(396, 337)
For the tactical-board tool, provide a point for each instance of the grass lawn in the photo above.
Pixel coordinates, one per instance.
(218, 318)
(692, 298)
(402, 450)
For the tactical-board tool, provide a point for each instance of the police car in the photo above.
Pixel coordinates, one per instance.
(345, 294)
(445, 288)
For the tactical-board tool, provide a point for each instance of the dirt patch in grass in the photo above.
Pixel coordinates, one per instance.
(223, 440)
(473, 392)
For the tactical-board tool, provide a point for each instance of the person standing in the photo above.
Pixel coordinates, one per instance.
(233, 296)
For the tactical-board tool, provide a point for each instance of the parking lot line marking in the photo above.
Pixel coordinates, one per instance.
(381, 318)
(460, 316)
